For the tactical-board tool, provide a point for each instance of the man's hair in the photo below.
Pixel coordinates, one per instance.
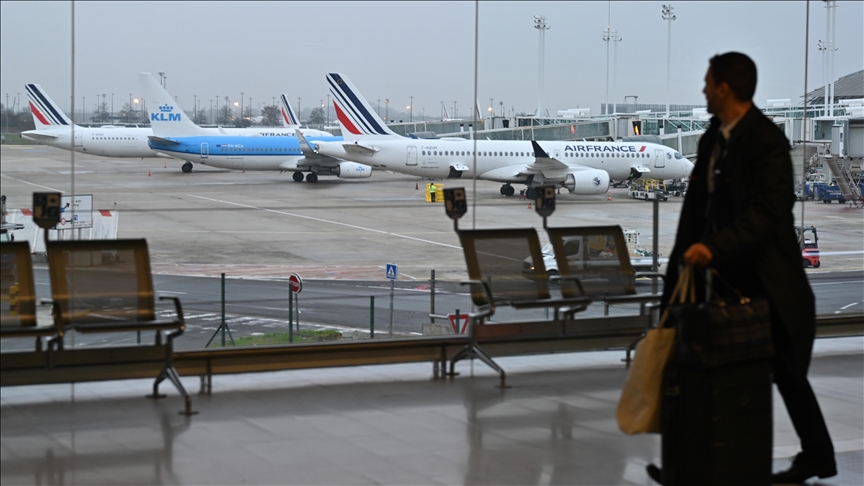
(738, 71)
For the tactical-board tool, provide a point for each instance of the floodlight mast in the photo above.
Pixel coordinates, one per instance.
(540, 25)
(669, 17)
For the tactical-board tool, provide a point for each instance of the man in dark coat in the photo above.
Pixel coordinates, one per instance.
(744, 173)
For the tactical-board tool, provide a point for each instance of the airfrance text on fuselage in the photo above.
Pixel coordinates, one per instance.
(603, 148)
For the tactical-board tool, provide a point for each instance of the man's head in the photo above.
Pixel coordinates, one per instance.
(730, 80)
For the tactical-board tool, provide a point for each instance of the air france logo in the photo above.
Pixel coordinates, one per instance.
(165, 114)
(596, 181)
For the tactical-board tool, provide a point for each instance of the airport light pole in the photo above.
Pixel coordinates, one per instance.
(540, 25)
(455, 111)
(236, 107)
(615, 39)
(101, 109)
(410, 109)
(606, 37)
(491, 106)
(161, 78)
(386, 109)
(378, 110)
(669, 17)
(112, 108)
(241, 108)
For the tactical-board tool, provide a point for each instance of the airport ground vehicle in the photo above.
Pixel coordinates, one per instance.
(820, 191)
(648, 189)
(808, 240)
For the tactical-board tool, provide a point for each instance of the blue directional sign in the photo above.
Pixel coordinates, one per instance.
(392, 271)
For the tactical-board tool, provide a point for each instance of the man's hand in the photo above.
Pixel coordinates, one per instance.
(698, 254)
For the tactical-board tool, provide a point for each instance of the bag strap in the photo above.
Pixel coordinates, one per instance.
(684, 291)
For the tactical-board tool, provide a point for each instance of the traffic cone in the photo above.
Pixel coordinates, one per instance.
(166, 165)
(529, 204)
(559, 191)
(148, 173)
(608, 196)
(416, 186)
(244, 171)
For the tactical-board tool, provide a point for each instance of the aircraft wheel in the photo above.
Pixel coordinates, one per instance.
(509, 191)
(312, 177)
(550, 274)
(298, 177)
(818, 264)
(187, 167)
(503, 190)
(530, 193)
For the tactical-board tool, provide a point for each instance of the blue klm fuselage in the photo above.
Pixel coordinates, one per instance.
(231, 152)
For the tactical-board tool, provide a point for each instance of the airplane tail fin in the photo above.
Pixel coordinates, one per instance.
(289, 117)
(46, 113)
(356, 116)
(166, 118)
(445, 116)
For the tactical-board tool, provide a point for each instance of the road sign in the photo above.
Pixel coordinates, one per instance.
(463, 324)
(78, 213)
(392, 271)
(455, 204)
(544, 202)
(296, 283)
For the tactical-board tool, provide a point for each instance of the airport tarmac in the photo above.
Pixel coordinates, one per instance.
(263, 224)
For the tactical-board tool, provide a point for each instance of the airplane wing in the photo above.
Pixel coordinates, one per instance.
(34, 135)
(163, 140)
(550, 167)
(311, 158)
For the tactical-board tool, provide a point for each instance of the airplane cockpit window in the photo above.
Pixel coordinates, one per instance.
(678, 156)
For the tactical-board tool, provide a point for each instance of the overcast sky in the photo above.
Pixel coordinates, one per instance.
(397, 50)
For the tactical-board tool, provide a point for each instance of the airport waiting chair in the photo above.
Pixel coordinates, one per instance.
(505, 267)
(104, 286)
(18, 296)
(594, 261)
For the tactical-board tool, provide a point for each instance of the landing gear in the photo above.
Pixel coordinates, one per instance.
(187, 167)
(312, 177)
(298, 177)
(530, 193)
(507, 190)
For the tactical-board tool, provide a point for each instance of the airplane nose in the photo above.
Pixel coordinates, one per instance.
(688, 166)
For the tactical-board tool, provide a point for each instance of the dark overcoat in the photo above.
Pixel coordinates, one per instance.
(749, 227)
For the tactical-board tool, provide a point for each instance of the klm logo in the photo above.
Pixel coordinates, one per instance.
(165, 114)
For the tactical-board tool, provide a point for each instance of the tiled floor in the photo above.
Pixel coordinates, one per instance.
(379, 425)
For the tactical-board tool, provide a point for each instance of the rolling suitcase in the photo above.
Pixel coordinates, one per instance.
(717, 425)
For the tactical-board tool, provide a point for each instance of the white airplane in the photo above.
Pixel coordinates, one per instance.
(53, 128)
(175, 135)
(583, 168)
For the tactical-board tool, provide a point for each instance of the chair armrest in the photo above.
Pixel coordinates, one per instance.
(530, 304)
(650, 274)
(177, 306)
(571, 278)
(486, 290)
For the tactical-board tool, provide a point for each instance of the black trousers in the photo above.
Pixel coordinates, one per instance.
(790, 375)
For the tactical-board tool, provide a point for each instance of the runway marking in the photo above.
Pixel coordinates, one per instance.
(312, 218)
(848, 306)
(32, 184)
(169, 292)
(837, 283)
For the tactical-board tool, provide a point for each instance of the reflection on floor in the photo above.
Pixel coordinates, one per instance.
(388, 424)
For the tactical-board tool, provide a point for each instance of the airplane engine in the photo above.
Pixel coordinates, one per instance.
(587, 182)
(351, 170)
